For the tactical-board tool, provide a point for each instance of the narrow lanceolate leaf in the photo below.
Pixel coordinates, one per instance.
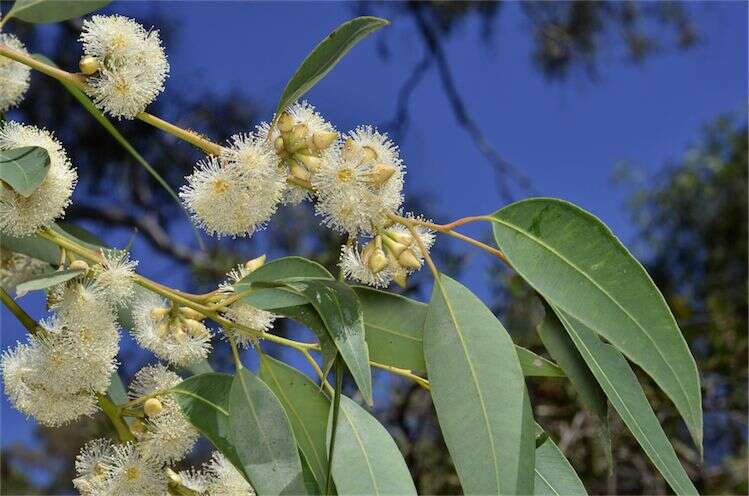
(204, 400)
(326, 55)
(563, 350)
(395, 328)
(554, 474)
(338, 307)
(626, 395)
(366, 460)
(24, 169)
(479, 393)
(46, 280)
(45, 11)
(579, 266)
(307, 409)
(261, 433)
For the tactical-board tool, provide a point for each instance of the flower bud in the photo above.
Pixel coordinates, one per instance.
(349, 149)
(300, 172)
(195, 328)
(152, 407)
(369, 154)
(285, 122)
(179, 332)
(312, 163)
(323, 139)
(89, 65)
(377, 261)
(189, 313)
(158, 313)
(299, 132)
(255, 263)
(78, 265)
(162, 328)
(380, 173)
(408, 260)
(400, 237)
(400, 277)
(393, 246)
(278, 144)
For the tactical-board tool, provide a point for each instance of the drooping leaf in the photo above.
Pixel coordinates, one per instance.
(261, 433)
(479, 393)
(306, 407)
(366, 460)
(47, 280)
(24, 169)
(626, 395)
(563, 350)
(46, 11)
(340, 311)
(394, 326)
(33, 246)
(579, 266)
(204, 400)
(554, 474)
(326, 55)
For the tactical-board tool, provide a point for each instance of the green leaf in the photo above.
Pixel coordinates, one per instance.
(24, 169)
(87, 104)
(204, 399)
(262, 436)
(326, 55)
(306, 407)
(271, 299)
(33, 246)
(626, 395)
(339, 309)
(366, 460)
(554, 474)
(562, 349)
(394, 326)
(479, 393)
(46, 280)
(46, 11)
(579, 266)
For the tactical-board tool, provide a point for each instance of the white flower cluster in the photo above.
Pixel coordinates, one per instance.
(242, 313)
(357, 180)
(217, 478)
(24, 215)
(173, 333)
(165, 437)
(14, 76)
(125, 63)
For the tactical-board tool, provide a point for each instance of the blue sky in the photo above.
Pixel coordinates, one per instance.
(567, 137)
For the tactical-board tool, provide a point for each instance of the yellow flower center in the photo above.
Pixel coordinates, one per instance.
(219, 186)
(345, 175)
(132, 473)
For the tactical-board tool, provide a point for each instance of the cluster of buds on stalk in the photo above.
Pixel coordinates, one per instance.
(179, 322)
(300, 147)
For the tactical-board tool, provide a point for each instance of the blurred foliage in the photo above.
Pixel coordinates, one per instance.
(694, 260)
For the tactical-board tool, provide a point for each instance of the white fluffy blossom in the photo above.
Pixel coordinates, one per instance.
(168, 335)
(360, 182)
(16, 268)
(132, 65)
(14, 76)
(115, 276)
(128, 472)
(89, 467)
(235, 194)
(22, 216)
(243, 313)
(194, 480)
(84, 308)
(168, 436)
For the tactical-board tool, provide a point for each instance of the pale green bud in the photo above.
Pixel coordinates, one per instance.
(377, 261)
(380, 173)
(393, 246)
(323, 139)
(153, 407)
(312, 163)
(79, 265)
(158, 313)
(255, 263)
(408, 260)
(285, 122)
(89, 65)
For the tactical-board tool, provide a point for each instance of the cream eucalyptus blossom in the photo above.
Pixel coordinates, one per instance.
(14, 76)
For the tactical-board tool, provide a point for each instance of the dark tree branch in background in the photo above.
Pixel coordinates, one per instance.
(147, 224)
(399, 123)
(505, 170)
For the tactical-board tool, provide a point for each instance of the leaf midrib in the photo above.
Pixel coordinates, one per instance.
(201, 398)
(464, 348)
(363, 450)
(600, 288)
